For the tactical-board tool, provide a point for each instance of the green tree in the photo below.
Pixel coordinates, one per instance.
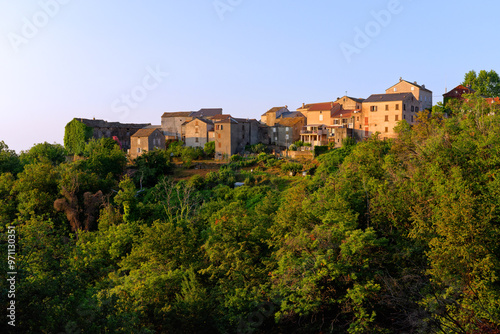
(486, 83)
(151, 166)
(103, 157)
(209, 149)
(54, 153)
(9, 160)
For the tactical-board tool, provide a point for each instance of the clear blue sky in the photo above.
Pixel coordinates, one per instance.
(83, 58)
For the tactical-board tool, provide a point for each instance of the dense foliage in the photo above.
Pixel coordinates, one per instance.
(76, 135)
(397, 236)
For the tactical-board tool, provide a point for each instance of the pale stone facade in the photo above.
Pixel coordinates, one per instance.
(422, 94)
(382, 112)
(197, 132)
(146, 140)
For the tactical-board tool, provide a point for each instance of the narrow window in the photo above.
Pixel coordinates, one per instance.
(387, 118)
(397, 106)
(386, 129)
(396, 118)
(386, 107)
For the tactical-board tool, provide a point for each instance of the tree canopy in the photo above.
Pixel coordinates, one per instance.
(486, 83)
(386, 236)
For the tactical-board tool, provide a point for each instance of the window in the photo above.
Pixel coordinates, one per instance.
(218, 135)
(222, 127)
(274, 129)
(335, 121)
(196, 129)
(366, 120)
(287, 129)
(321, 117)
(412, 88)
(404, 106)
(139, 141)
(404, 116)
(412, 108)
(397, 106)
(416, 109)
(286, 137)
(396, 118)
(366, 132)
(196, 140)
(344, 120)
(386, 107)
(395, 89)
(138, 150)
(357, 118)
(387, 118)
(220, 144)
(412, 118)
(386, 129)
(373, 108)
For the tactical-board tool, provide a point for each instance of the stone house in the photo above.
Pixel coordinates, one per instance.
(422, 94)
(146, 140)
(285, 131)
(233, 134)
(349, 103)
(457, 93)
(115, 130)
(270, 116)
(319, 113)
(382, 112)
(315, 134)
(197, 132)
(172, 122)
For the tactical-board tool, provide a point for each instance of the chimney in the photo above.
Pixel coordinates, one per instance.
(400, 79)
(286, 106)
(332, 104)
(415, 82)
(423, 86)
(303, 105)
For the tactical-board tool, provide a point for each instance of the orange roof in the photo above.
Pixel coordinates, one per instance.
(492, 100)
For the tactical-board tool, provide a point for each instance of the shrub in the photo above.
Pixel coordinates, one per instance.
(236, 157)
(293, 167)
(318, 150)
(293, 147)
(209, 149)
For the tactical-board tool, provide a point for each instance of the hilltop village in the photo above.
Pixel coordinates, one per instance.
(314, 124)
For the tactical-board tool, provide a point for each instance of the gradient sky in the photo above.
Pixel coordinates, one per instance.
(84, 58)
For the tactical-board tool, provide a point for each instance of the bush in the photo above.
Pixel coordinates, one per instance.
(151, 166)
(318, 150)
(293, 167)
(293, 147)
(209, 149)
(175, 148)
(236, 157)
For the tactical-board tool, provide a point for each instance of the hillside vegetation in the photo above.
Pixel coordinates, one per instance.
(397, 236)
